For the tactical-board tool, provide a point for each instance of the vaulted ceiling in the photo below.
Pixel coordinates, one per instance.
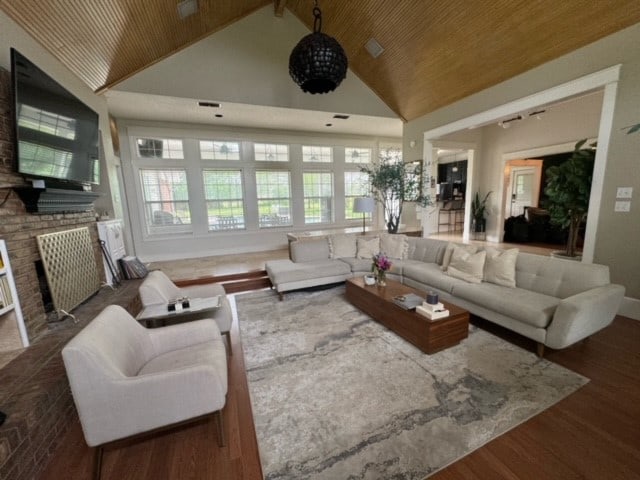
(435, 51)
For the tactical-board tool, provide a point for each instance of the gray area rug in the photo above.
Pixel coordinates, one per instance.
(337, 396)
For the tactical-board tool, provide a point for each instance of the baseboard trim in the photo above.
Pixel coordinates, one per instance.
(630, 308)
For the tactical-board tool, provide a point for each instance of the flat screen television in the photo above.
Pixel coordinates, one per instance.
(56, 134)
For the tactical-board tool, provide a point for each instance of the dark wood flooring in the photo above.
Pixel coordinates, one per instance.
(593, 434)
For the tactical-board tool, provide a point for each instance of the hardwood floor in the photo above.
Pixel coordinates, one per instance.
(593, 434)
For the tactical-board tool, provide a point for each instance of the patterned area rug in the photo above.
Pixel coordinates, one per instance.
(337, 396)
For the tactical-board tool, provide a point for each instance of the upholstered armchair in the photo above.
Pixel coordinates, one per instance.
(157, 288)
(128, 380)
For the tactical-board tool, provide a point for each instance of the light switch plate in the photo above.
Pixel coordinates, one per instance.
(622, 207)
(624, 192)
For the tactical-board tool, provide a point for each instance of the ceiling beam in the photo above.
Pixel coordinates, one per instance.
(278, 7)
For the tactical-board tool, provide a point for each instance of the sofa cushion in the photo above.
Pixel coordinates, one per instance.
(466, 266)
(449, 251)
(309, 250)
(367, 247)
(426, 250)
(286, 271)
(560, 278)
(500, 266)
(394, 245)
(342, 245)
(429, 274)
(529, 307)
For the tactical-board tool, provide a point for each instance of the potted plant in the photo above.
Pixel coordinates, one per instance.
(478, 209)
(568, 189)
(393, 183)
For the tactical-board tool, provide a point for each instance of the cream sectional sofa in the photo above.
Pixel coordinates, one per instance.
(552, 301)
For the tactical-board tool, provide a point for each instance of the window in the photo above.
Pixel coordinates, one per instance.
(357, 155)
(160, 148)
(270, 152)
(215, 150)
(166, 200)
(224, 199)
(274, 198)
(318, 197)
(317, 154)
(356, 184)
(390, 155)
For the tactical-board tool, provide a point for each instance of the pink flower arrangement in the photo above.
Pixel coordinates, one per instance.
(381, 263)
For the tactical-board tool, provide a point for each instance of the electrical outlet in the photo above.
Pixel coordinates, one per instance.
(622, 207)
(624, 192)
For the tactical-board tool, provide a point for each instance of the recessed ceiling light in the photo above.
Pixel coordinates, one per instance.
(219, 115)
(328, 125)
(341, 116)
(374, 48)
(210, 104)
(187, 8)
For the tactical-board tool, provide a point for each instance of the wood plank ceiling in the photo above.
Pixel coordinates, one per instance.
(436, 52)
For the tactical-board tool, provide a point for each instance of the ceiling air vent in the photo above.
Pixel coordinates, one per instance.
(187, 8)
(374, 48)
(210, 104)
(340, 116)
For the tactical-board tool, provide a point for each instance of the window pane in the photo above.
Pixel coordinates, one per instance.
(166, 201)
(270, 152)
(317, 154)
(274, 198)
(391, 155)
(357, 155)
(160, 148)
(216, 150)
(356, 184)
(224, 198)
(318, 197)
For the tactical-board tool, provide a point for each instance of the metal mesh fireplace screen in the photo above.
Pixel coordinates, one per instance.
(70, 267)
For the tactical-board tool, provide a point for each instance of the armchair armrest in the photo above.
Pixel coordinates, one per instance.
(174, 337)
(583, 314)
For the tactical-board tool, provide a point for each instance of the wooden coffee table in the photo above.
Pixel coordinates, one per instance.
(430, 336)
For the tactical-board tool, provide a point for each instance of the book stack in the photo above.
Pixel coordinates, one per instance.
(432, 311)
(5, 292)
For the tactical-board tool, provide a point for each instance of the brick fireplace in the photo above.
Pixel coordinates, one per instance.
(20, 228)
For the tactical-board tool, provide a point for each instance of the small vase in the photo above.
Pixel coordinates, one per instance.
(381, 278)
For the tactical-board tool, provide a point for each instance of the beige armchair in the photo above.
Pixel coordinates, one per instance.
(127, 380)
(157, 288)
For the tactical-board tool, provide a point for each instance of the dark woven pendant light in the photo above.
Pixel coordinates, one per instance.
(318, 63)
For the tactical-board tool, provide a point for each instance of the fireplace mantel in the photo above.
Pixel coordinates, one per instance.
(56, 200)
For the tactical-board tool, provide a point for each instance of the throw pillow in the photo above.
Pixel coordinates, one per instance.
(394, 245)
(367, 247)
(449, 250)
(500, 266)
(342, 246)
(466, 266)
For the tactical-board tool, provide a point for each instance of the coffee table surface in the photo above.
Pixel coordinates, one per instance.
(430, 336)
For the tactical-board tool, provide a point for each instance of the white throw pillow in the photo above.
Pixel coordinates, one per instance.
(394, 245)
(449, 250)
(367, 247)
(466, 266)
(500, 266)
(342, 246)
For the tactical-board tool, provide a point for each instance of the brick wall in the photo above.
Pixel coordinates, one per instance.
(20, 228)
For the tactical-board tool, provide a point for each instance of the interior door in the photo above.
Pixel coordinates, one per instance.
(522, 190)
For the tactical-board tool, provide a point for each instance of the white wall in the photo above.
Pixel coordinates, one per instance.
(248, 62)
(617, 234)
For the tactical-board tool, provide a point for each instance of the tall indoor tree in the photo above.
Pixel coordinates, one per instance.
(393, 183)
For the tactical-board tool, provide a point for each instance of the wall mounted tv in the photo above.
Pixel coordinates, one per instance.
(56, 134)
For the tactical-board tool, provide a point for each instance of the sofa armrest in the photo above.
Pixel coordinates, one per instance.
(175, 337)
(583, 314)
